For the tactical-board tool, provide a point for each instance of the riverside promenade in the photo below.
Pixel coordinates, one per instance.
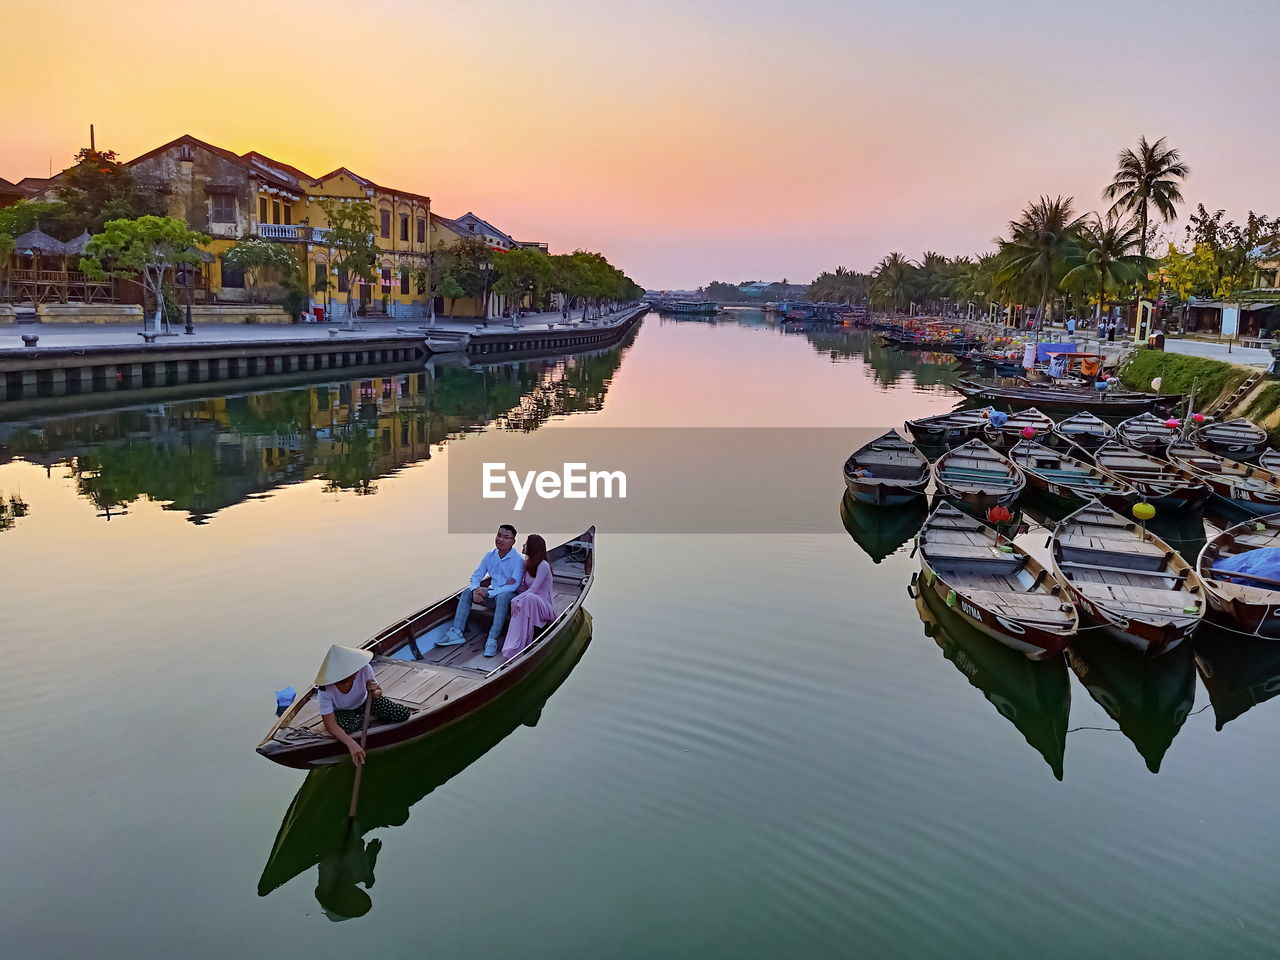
(75, 359)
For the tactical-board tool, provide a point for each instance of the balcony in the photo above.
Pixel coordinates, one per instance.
(293, 231)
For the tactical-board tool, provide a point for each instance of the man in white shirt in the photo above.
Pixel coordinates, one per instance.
(504, 567)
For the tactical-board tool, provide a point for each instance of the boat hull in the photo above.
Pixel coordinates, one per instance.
(884, 494)
(1029, 640)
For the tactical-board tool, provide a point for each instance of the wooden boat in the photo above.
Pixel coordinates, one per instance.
(1147, 433)
(996, 587)
(886, 472)
(881, 531)
(1237, 671)
(1011, 431)
(1033, 695)
(1148, 699)
(1085, 430)
(314, 830)
(1126, 580)
(1157, 480)
(1244, 601)
(1239, 439)
(944, 429)
(441, 685)
(1244, 486)
(1108, 402)
(978, 477)
(1270, 460)
(1056, 473)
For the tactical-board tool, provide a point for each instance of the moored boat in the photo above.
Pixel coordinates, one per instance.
(886, 472)
(1157, 480)
(978, 478)
(948, 428)
(1014, 428)
(1067, 399)
(1239, 439)
(1247, 487)
(1126, 580)
(1247, 601)
(439, 685)
(1270, 460)
(1057, 474)
(1085, 430)
(1147, 433)
(997, 587)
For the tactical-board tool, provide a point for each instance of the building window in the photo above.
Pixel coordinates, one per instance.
(386, 223)
(343, 281)
(386, 279)
(224, 208)
(288, 213)
(262, 209)
(404, 227)
(231, 278)
(404, 279)
(275, 211)
(322, 276)
(422, 229)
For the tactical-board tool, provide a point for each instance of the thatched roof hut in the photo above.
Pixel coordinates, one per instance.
(38, 243)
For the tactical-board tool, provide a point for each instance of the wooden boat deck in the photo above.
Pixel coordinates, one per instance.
(422, 676)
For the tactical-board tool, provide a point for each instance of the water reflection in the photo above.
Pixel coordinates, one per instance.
(314, 829)
(12, 509)
(1237, 670)
(201, 456)
(882, 531)
(1148, 697)
(1033, 695)
(888, 364)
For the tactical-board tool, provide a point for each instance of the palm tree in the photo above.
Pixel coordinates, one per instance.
(1147, 177)
(1040, 242)
(893, 277)
(1104, 259)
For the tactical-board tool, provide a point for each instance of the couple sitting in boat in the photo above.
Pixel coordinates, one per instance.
(519, 588)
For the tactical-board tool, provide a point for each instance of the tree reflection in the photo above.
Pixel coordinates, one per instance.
(202, 456)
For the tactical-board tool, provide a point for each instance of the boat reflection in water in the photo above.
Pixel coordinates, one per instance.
(1238, 671)
(1033, 695)
(314, 830)
(1148, 697)
(882, 531)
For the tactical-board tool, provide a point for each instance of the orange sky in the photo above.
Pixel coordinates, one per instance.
(687, 142)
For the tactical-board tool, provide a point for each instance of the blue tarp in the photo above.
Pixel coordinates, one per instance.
(1264, 562)
(1044, 349)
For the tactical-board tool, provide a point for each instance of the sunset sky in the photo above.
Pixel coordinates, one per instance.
(686, 141)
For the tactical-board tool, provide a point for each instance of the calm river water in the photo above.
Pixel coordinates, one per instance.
(765, 749)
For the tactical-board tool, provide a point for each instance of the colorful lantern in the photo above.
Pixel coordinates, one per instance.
(1173, 423)
(999, 514)
(1144, 511)
(1157, 383)
(1028, 432)
(1197, 418)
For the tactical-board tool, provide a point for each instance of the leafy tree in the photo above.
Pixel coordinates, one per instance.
(149, 247)
(893, 278)
(1041, 242)
(451, 290)
(52, 216)
(98, 188)
(1103, 261)
(262, 261)
(355, 249)
(517, 273)
(472, 268)
(430, 276)
(1147, 177)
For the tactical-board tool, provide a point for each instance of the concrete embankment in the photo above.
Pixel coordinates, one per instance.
(58, 363)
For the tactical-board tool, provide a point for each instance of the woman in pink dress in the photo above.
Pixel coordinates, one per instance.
(533, 605)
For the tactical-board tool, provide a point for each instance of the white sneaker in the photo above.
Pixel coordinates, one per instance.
(452, 638)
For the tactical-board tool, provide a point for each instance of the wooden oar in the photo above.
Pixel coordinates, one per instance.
(364, 735)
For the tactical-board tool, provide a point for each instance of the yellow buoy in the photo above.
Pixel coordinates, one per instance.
(1144, 511)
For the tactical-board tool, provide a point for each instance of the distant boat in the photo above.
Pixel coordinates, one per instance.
(1239, 439)
(1085, 430)
(694, 306)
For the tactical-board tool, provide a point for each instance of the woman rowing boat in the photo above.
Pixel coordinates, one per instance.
(343, 684)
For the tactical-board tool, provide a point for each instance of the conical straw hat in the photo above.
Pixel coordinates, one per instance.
(341, 662)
